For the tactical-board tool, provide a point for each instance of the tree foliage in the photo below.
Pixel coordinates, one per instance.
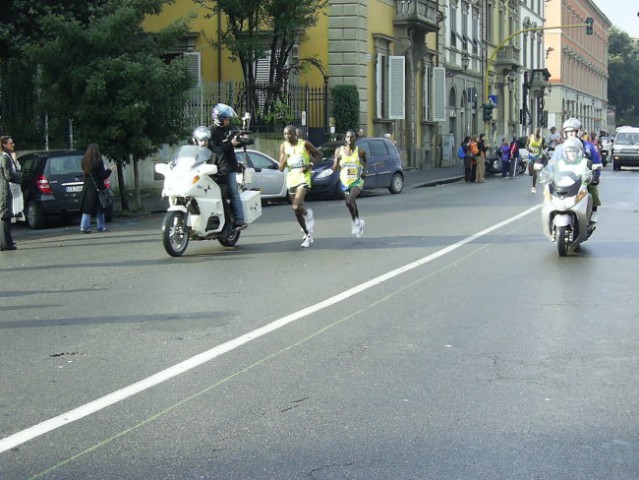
(623, 77)
(345, 107)
(109, 76)
(257, 29)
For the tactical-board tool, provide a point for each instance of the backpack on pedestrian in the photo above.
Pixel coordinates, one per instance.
(461, 153)
(474, 148)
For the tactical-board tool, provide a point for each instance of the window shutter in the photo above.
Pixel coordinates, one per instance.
(194, 63)
(379, 86)
(396, 87)
(439, 94)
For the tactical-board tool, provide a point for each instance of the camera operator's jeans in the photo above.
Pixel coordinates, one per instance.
(234, 195)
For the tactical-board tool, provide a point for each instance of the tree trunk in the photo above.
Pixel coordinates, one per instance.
(136, 184)
(123, 196)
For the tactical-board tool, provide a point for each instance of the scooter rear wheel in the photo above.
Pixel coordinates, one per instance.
(562, 241)
(175, 235)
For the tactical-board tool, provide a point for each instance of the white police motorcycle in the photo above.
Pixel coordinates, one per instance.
(567, 208)
(196, 204)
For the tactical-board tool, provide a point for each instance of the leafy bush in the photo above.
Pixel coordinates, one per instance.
(345, 107)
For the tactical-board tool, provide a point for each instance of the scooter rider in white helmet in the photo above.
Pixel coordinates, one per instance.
(202, 138)
(572, 128)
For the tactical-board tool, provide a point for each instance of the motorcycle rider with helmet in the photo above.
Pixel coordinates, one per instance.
(572, 128)
(226, 138)
(202, 138)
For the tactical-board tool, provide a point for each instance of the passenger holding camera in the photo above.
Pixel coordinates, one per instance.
(226, 138)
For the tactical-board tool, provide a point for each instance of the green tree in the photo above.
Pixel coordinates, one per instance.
(21, 27)
(345, 107)
(110, 78)
(260, 28)
(623, 77)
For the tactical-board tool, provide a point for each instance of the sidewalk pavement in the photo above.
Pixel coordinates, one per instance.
(152, 201)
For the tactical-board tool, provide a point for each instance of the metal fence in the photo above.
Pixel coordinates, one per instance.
(298, 105)
(302, 106)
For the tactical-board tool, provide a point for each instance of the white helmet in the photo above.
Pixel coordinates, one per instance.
(201, 134)
(571, 125)
(573, 150)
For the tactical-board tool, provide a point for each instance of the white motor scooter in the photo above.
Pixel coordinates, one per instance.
(567, 206)
(196, 205)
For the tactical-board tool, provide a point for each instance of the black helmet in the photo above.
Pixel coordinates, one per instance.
(220, 112)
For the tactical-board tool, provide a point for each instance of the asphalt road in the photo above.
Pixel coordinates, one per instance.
(450, 342)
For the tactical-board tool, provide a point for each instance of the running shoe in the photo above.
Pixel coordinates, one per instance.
(533, 190)
(355, 226)
(594, 217)
(360, 231)
(308, 240)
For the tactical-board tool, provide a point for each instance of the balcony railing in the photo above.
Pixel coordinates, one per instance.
(508, 56)
(420, 13)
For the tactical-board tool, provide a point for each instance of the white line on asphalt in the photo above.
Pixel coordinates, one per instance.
(24, 436)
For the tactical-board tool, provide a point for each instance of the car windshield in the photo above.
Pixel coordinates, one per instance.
(65, 164)
(627, 139)
(328, 150)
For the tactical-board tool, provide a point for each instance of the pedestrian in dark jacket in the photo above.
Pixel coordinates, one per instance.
(95, 173)
(8, 174)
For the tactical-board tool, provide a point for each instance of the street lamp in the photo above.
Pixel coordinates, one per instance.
(465, 61)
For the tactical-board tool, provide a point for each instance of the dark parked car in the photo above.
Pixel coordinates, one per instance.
(383, 167)
(52, 185)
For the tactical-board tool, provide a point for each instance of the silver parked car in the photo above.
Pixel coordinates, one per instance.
(265, 174)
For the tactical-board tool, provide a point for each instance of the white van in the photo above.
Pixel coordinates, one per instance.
(625, 149)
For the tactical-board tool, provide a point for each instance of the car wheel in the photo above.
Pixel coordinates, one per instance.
(615, 166)
(397, 183)
(35, 217)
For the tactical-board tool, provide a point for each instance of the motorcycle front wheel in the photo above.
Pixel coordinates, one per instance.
(175, 235)
(562, 241)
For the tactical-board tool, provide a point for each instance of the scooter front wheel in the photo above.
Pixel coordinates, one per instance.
(562, 241)
(175, 235)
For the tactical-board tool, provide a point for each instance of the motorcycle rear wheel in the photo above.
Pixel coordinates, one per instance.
(562, 241)
(521, 167)
(231, 240)
(175, 233)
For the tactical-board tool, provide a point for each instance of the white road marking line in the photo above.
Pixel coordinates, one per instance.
(87, 409)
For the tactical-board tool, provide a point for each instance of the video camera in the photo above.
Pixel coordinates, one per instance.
(243, 135)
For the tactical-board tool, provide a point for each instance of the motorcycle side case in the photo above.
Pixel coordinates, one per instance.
(252, 205)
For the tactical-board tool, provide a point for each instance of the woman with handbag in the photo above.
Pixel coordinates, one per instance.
(94, 175)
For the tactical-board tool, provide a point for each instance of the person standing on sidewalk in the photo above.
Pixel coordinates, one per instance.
(351, 162)
(481, 159)
(95, 173)
(8, 175)
(296, 154)
(462, 154)
(504, 153)
(472, 152)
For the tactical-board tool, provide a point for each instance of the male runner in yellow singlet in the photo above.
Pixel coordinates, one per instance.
(296, 154)
(351, 161)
